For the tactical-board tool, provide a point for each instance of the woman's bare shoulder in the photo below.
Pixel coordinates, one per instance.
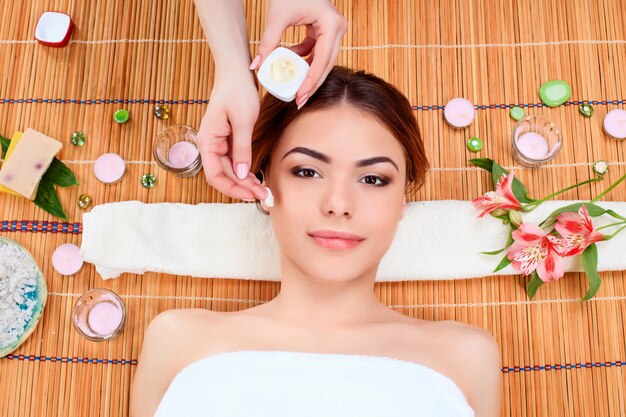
(477, 353)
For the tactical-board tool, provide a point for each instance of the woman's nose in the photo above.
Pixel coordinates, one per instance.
(338, 200)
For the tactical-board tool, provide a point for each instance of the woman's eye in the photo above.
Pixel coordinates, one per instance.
(373, 178)
(308, 172)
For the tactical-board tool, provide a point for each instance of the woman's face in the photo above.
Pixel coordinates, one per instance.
(341, 170)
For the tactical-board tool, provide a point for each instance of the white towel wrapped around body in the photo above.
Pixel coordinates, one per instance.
(435, 240)
(283, 383)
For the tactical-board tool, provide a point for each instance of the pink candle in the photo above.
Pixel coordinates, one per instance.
(533, 145)
(109, 168)
(104, 318)
(615, 124)
(182, 154)
(66, 259)
(459, 113)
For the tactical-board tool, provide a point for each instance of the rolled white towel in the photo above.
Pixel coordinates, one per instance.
(436, 240)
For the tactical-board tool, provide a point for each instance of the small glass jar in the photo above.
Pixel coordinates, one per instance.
(175, 151)
(99, 314)
(535, 140)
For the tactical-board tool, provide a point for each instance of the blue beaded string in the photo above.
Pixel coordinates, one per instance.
(205, 101)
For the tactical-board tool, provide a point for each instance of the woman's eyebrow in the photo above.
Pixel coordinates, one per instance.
(327, 159)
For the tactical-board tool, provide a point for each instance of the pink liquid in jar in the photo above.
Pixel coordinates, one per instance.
(533, 145)
(104, 318)
(182, 154)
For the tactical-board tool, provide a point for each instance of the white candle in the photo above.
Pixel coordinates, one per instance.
(104, 318)
(66, 259)
(459, 113)
(109, 168)
(532, 145)
(182, 154)
(615, 124)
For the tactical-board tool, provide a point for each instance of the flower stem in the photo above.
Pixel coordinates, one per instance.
(603, 193)
(538, 202)
(609, 225)
(613, 234)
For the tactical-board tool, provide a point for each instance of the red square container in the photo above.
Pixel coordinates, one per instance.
(54, 29)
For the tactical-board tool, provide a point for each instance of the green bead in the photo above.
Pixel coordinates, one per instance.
(78, 138)
(148, 180)
(586, 109)
(600, 167)
(121, 116)
(517, 113)
(162, 112)
(555, 92)
(474, 144)
(84, 201)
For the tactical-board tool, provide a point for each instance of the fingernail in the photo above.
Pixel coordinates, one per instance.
(242, 171)
(303, 101)
(255, 62)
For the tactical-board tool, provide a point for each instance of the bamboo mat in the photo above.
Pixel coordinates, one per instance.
(560, 357)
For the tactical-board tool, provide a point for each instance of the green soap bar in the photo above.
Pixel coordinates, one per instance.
(555, 92)
(474, 144)
(517, 113)
(121, 116)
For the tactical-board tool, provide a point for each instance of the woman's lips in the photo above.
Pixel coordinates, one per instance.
(336, 243)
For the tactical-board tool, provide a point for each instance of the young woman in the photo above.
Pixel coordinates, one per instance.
(339, 169)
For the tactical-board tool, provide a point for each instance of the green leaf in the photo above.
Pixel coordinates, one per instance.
(518, 188)
(484, 163)
(5, 145)
(534, 284)
(496, 172)
(58, 173)
(509, 240)
(48, 200)
(590, 263)
(503, 263)
(594, 211)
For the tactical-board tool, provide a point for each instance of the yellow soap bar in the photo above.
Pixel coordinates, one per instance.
(16, 138)
(30, 158)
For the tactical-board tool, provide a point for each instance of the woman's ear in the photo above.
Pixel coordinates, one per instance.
(403, 212)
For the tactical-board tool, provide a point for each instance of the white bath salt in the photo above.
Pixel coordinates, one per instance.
(18, 277)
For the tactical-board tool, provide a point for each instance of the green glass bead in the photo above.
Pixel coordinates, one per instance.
(162, 112)
(121, 116)
(84, 201)
(474, 144)
(517, 113)
(586, 109)
(600, 167)
(78, 138)
(555, 92)
(148, 180)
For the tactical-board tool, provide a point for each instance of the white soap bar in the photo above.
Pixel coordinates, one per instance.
(282, 73)
(28, 162)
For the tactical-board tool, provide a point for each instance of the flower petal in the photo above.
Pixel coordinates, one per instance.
(551, 269)
(528, 234)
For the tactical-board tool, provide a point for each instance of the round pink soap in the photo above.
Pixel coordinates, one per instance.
(615, 124)
(459, 112)
(66, 259)
(109, 168)
(104, 318)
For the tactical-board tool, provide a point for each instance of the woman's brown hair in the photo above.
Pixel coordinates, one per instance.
(360, 90)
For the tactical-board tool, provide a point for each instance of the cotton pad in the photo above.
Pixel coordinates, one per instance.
(269, 200)
(282, 73)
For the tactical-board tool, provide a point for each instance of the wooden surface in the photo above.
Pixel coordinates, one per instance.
(494, 53)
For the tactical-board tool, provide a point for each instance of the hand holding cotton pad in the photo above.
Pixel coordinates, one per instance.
(282, 73)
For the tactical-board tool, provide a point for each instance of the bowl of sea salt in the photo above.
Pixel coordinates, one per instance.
(23, 295)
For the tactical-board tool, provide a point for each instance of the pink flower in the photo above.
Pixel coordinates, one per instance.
(501, 198)
(577, 232)
(534, 249)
